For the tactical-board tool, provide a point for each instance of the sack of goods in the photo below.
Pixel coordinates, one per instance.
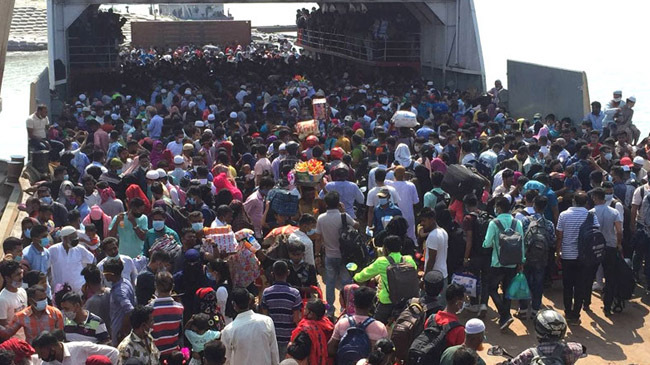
(404, 118)
(460, 181)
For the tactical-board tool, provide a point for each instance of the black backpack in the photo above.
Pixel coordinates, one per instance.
(401, 277)
(591, 243)
(428, 347)
(352, 244)
(481, 223)
(510, 244)
(455, 247)
(625, 284)
(441, 198)
(538, 242)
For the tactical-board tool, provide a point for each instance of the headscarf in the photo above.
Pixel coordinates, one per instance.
(20, 348)
(240, 219)
(98, 360)
(106, 194)
(62, 198)
(403, 155)
(319, 332)
(134, 191)
(156, 155)
(348, 297)
(248, 159)
(98, 215)
(221, 181)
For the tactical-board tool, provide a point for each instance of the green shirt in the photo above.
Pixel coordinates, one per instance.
(130, 244)
(430, 199)
(492, 237)
(448, 356)
(152, 235)
(379, 267)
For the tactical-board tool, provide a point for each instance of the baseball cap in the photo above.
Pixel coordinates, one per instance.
(626, 161)
(383, 193)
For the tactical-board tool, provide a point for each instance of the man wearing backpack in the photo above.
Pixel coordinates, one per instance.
(442, 330)
(550, 329)
(477, 258)
(436, 195)
(505, 236)
(474, 337)
(575, 277)
(539, 239)
(355, 335)
(404, 280)
(329, 226)
(611, 226)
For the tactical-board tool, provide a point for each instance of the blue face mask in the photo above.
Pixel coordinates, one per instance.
(158, 225)
(197, 226)
(28, 233)
(191, 201)
(41, 305)
(47, 200)
(45, 241)
(66, 177)
(383, 201)
(311, 231)
(209, 276)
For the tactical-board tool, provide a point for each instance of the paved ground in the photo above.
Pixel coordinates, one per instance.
(620, 339)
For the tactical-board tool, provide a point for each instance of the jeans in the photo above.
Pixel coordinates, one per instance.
(609, 268)
(480, 267)
(576, 277)
(535, 279)
(503, 276)
(641, 251)
(334, 271)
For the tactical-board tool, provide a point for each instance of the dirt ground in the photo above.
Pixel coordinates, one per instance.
(621, 339)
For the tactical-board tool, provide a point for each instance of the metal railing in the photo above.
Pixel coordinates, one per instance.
(406, 49)
(93, 56)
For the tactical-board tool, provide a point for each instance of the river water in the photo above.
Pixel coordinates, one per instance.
(597, 37)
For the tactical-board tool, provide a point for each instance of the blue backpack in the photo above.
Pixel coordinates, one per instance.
(355, 343)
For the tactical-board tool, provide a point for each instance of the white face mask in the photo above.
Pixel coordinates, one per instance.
(609, 197)
(617, 99)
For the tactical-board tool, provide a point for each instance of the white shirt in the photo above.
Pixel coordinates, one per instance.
(438, 240)
(67, 266)
(76, 353)
(37, 125)
(372, 199)
(175, 148)
(300, 236)
(129, 272)
(93, 199)
(250, 339)
(12, 303)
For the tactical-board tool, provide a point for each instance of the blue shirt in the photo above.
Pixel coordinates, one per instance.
(122, 301)
(596, 120)
(37, 260)
(348, 192)
(155, 126)
(424, 132)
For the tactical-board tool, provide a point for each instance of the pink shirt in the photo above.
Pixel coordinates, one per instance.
(101, 139)
(254, 207)
(375, 330)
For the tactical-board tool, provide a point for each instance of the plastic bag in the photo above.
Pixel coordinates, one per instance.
(518, 288)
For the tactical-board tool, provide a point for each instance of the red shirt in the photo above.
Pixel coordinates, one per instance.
(457, 335)
(595, 149)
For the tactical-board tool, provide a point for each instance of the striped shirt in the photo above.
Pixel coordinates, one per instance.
(280, 300)
(569, 224)
(167, 321)
(51, 319)
(92, 330)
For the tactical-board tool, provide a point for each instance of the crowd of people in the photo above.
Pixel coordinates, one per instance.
(172, 226)
(379, 32)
